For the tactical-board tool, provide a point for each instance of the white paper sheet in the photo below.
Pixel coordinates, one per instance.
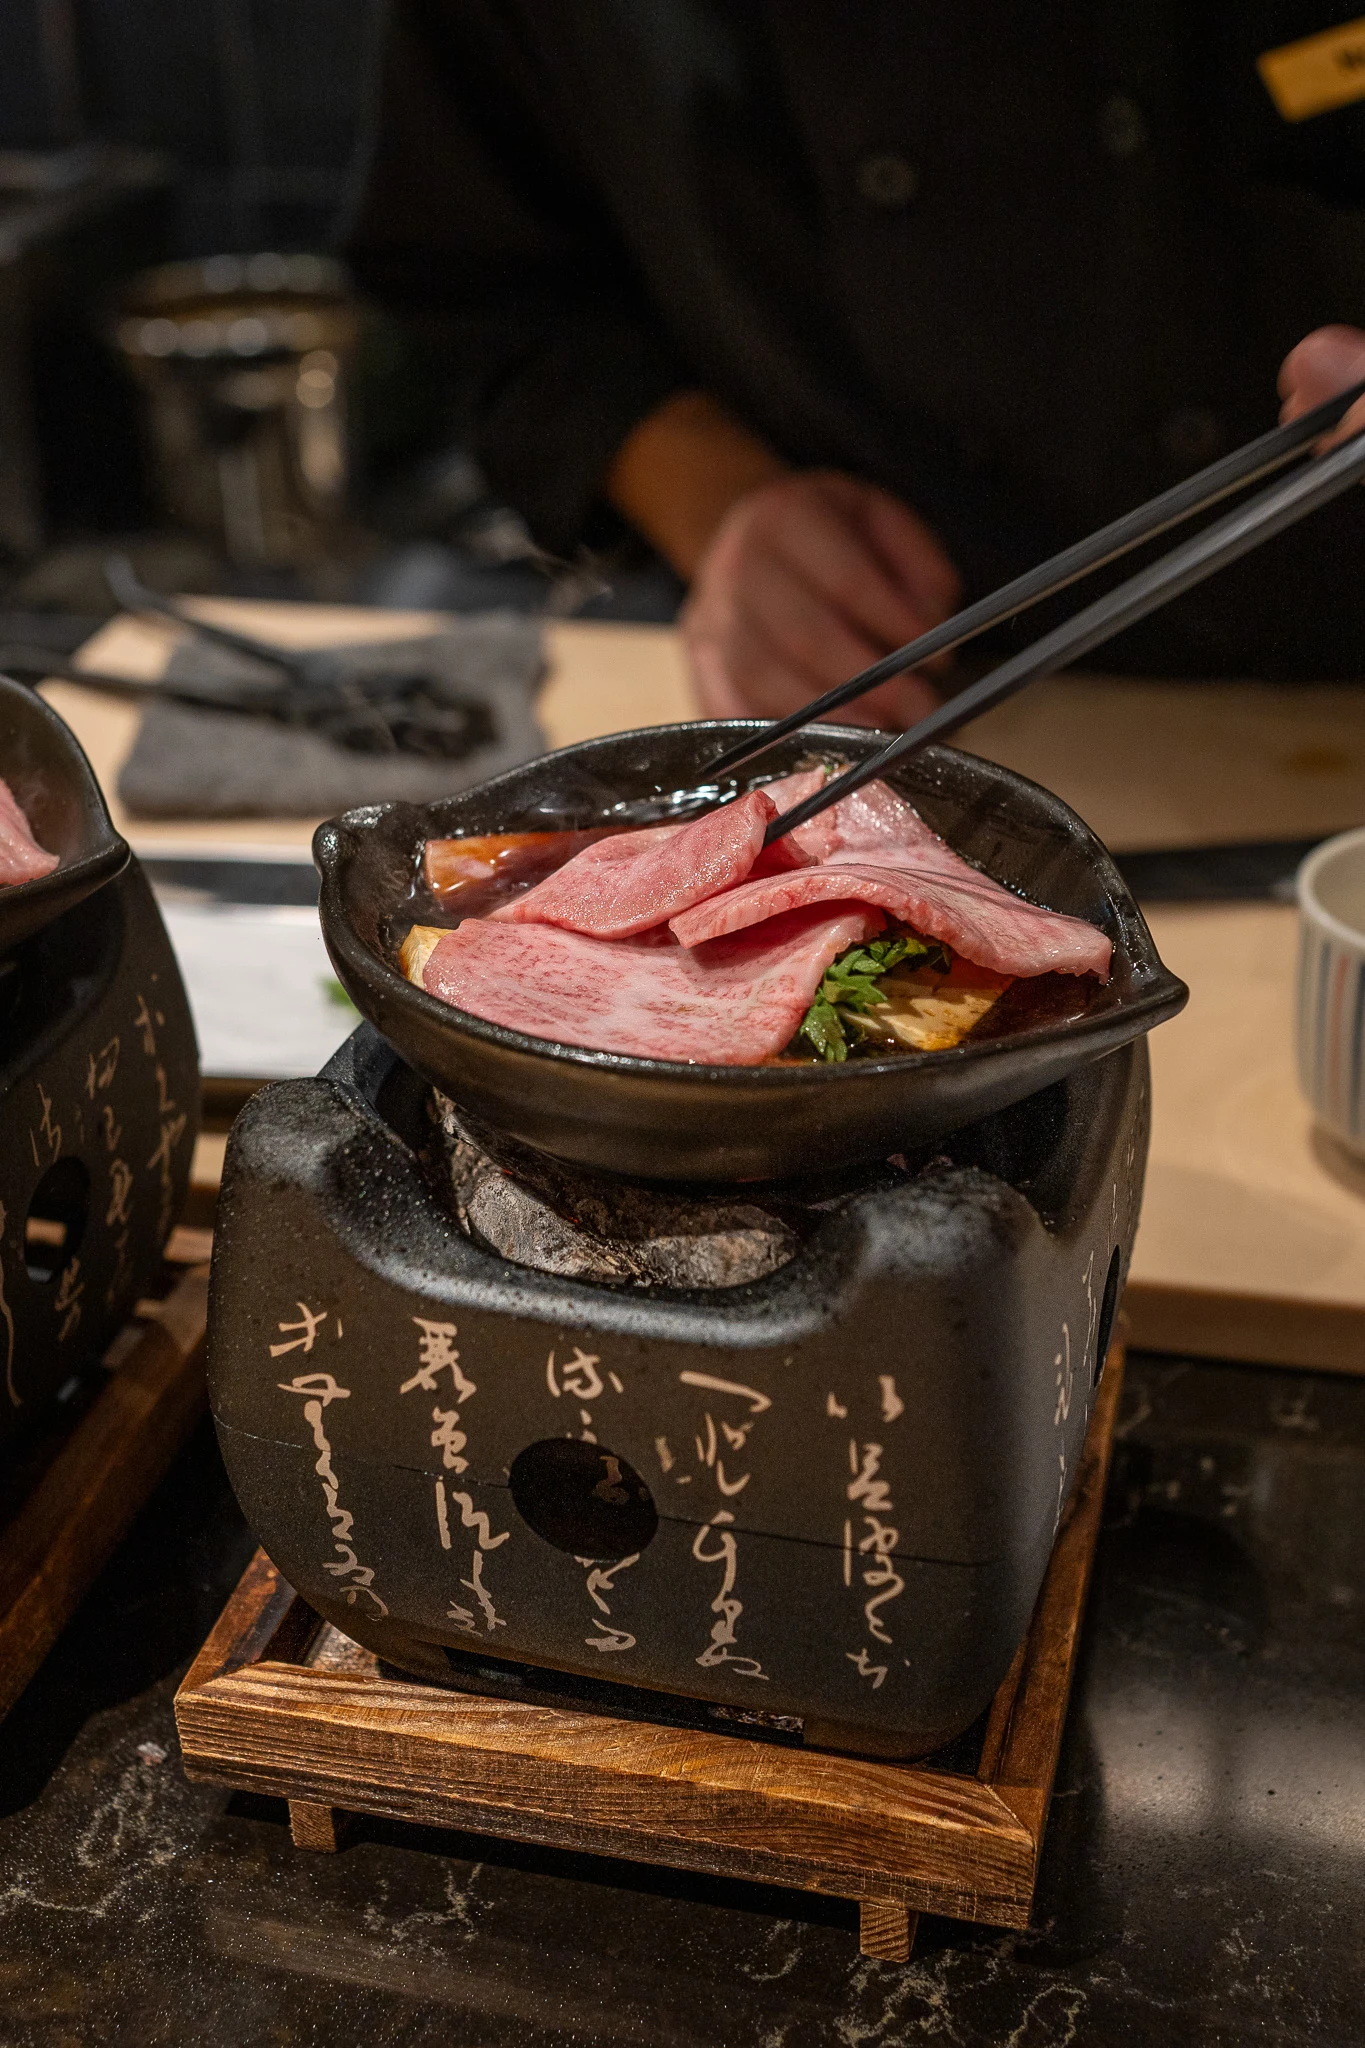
(260, 986)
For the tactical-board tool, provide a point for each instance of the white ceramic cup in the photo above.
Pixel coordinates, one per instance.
(1331, 988)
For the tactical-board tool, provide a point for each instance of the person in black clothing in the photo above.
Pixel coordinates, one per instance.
(854, 310)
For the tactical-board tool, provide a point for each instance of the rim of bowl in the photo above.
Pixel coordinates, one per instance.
(1306, 881)
(1162, 985)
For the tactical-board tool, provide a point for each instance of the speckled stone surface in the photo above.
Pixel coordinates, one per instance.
(1202, 1881)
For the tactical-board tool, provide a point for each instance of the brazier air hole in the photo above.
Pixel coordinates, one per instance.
(1107, 1308)
(56, 1219)
(582, 1498)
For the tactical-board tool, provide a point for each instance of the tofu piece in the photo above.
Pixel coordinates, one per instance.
(929, 1011)
(417, 948)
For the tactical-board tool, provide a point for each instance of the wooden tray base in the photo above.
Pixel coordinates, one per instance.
(281, 1703)
(102, 1471)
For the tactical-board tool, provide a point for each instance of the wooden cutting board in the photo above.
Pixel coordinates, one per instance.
(1252, 1243)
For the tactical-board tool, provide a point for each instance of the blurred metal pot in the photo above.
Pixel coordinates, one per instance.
(243, 360)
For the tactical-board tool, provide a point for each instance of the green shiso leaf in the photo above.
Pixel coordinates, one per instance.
(335, 993)
(851, 987)
(823, 1028)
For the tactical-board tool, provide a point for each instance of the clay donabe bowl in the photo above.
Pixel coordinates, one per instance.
(55, 787)
(663, 1119)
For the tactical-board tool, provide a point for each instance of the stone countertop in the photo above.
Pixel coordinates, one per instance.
(1201, 1877)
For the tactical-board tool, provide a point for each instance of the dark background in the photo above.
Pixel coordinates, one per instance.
(159, 130)
(257, 103)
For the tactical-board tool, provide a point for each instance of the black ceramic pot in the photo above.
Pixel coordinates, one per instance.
(99, 1075)
(55, 787)
(666, 1120)
(99, 1107)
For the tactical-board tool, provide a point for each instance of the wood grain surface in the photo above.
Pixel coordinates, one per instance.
(65, 1532)
(1153, 764)
(1023, 1734)
(886, 1930)
(316, 1827)
(1252, 1242)
(271, 1705)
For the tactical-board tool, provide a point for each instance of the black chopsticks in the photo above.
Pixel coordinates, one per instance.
(134, 596)
(1233, 472)
(1236, 534)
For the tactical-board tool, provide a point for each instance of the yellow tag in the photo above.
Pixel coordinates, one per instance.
(1317, 74)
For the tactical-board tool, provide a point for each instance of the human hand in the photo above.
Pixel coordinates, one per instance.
(1329, 360)
(806, 580)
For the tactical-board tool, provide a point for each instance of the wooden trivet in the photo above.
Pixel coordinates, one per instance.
(56, 1543)
(280, 1703)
